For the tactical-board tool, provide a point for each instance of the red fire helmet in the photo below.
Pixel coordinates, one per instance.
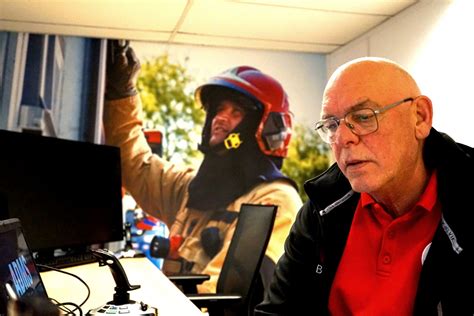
(273, 133)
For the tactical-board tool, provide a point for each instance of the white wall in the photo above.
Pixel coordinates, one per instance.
(302, 75)
(432, 39)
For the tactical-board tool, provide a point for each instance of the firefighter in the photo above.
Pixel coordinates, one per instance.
(244, 140)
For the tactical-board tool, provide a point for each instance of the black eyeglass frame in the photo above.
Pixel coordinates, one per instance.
(325, 135)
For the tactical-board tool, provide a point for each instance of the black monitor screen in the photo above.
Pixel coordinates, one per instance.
(66, 193)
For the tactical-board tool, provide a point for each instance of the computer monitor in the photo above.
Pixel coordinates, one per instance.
(66, 193)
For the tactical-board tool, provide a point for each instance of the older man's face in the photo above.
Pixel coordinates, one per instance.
(386, 158)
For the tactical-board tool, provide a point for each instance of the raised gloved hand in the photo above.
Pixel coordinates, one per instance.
(123, 68)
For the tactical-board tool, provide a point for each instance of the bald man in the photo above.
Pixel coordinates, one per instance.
(388, 228)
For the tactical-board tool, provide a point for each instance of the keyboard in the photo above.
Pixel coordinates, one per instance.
(65, 261)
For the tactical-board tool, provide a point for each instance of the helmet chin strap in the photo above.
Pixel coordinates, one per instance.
(231, 142)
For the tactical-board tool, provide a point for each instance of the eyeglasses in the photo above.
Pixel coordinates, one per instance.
(361, 122)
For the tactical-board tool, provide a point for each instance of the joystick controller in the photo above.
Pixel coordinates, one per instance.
(121, 303)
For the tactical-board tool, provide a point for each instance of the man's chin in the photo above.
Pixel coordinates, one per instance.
(213, 143)
(215, 140)
(360, 185)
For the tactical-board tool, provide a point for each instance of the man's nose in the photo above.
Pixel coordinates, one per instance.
(344, 135)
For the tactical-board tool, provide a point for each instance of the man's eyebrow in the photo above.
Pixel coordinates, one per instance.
(364, 103)
(367, 103)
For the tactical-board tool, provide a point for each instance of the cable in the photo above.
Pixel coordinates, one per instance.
(68, 311)
(58, 305)
(62, 305)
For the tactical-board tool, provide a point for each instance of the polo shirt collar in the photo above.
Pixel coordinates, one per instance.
(427, 200)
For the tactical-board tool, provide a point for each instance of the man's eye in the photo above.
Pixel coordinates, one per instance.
(238, 114)
(362, 117)
(330, 126)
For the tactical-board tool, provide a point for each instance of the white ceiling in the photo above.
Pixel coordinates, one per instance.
(317, 26)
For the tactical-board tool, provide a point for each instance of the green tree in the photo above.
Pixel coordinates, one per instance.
(166, 90)
(308, 156)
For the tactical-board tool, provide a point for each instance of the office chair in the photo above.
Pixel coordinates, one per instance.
(240, 270)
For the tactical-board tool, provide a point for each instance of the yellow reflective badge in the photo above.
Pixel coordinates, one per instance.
(233, 141)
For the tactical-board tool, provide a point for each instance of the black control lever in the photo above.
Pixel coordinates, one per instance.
(121, 303)
(121, 296)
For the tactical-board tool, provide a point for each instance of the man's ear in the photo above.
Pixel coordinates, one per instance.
(424, 116)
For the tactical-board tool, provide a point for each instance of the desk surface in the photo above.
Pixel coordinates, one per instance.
(156, 290)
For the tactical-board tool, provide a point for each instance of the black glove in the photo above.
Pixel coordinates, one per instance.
(161, 247)
(123, 68)
(211, 241)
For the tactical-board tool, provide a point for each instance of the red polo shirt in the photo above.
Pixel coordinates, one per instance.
(380, 267)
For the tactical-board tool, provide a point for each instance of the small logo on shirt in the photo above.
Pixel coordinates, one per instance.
(319, 269)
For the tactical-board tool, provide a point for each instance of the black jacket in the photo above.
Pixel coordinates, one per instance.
(314, 247)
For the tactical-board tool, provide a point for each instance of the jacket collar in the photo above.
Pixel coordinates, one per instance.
(454, 165)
